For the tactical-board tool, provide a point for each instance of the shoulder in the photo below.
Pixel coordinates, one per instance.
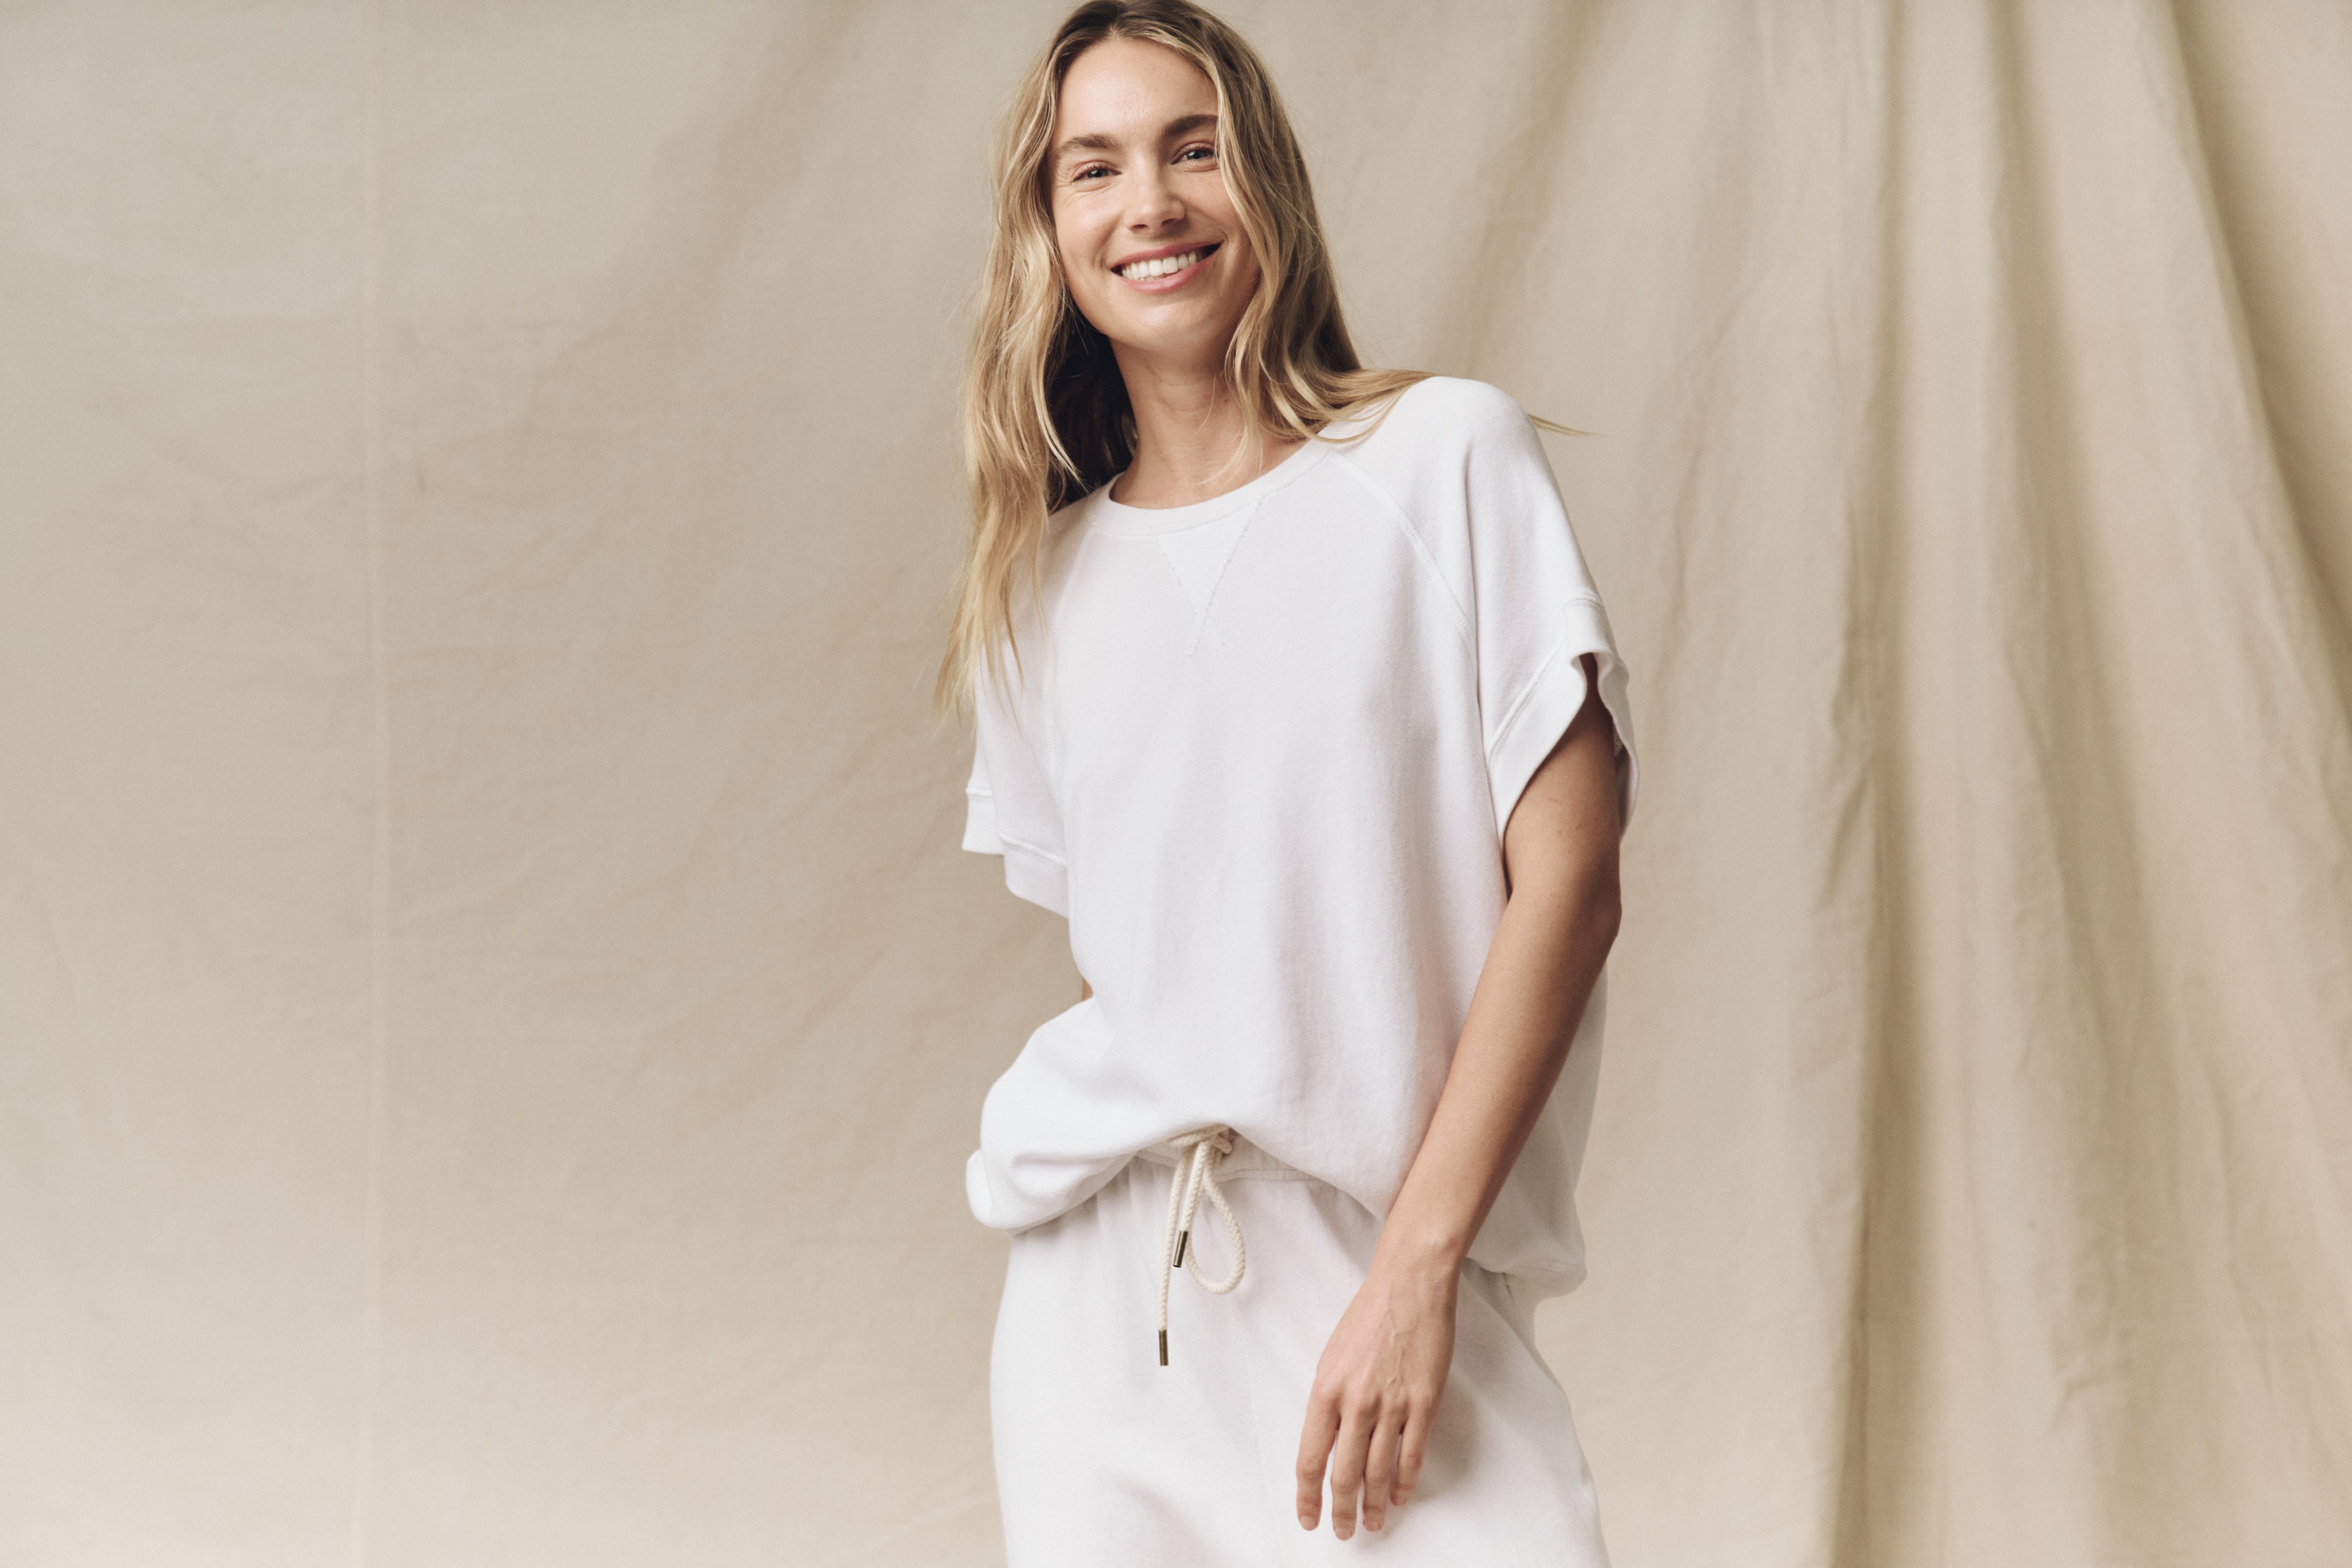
(1437, 414)
(1058, 532)
(1063, 523)
(1459, 402)
(1059, 538)
(1438, 425)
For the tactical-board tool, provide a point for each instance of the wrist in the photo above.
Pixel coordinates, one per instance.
(1430, 1251)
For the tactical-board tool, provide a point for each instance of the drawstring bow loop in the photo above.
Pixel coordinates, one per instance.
(1194, 1178)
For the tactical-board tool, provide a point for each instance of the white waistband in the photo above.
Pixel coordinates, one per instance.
(1245, 1159)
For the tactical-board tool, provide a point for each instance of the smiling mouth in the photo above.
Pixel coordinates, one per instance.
(1166, 266)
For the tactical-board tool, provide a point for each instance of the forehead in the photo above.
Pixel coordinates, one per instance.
(1126, 88)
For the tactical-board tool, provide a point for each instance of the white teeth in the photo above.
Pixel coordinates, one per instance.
(1163, 266)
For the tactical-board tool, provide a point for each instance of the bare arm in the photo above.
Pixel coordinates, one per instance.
(1380, 1379)
(1560, 855)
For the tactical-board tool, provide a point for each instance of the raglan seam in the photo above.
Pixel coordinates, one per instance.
(1403, 522)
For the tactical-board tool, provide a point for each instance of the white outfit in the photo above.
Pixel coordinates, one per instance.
(1260, 751)
(1104, 1457)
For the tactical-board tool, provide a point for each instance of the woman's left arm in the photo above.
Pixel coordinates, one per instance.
(1379, 1381)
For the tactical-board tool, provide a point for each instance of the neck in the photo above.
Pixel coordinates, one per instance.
(1193, 441)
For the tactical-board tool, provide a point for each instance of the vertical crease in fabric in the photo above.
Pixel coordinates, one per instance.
(371, 503)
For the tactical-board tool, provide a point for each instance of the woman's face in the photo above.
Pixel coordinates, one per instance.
(1151, 243)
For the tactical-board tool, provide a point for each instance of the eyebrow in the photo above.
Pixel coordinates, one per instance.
(1102, 141)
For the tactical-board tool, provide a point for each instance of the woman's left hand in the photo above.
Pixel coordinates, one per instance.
(1375, 1392)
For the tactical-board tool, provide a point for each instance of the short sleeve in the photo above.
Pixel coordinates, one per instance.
(1535, 611)
(979, 808)
(1009, 804)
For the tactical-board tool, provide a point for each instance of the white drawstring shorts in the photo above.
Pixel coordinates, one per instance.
(1107, 1459)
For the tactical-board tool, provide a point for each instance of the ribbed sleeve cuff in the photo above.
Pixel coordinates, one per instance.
(980, 824)
(1549, 705)
(1037, 877)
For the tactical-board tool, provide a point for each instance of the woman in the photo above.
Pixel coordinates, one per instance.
(1295, 696)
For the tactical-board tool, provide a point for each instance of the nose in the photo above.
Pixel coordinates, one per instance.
(1153, 203)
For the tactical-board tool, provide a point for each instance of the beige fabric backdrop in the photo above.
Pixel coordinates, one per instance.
(492, 1014)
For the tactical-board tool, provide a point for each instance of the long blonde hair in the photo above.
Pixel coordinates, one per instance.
(1045, 413)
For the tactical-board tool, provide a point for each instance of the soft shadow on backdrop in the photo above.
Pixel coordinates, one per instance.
(492, 1013)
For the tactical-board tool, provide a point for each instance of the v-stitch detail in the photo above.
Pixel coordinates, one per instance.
(1200, 563)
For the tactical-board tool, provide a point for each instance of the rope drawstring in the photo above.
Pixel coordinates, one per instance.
(1196, 1173)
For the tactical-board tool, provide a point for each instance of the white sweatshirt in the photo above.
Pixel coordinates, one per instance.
(1260, 753)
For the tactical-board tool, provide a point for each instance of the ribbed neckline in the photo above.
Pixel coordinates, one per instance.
(1117, 518)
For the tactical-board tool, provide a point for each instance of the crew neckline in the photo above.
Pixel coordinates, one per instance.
(1118, 517)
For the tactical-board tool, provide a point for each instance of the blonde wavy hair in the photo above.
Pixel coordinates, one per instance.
(1045, 413)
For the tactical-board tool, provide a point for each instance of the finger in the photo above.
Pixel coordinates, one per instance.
(1380, 1467)
(1410, 1447)
(1315, 1441)
(1348, 1468)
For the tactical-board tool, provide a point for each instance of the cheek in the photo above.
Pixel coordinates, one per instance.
(1244, 275)
(1076, 249)
(1087, 284)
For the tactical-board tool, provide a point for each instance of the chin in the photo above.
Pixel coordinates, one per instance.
(1195, 332)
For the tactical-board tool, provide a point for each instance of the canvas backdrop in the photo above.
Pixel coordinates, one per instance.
(492, 1010)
